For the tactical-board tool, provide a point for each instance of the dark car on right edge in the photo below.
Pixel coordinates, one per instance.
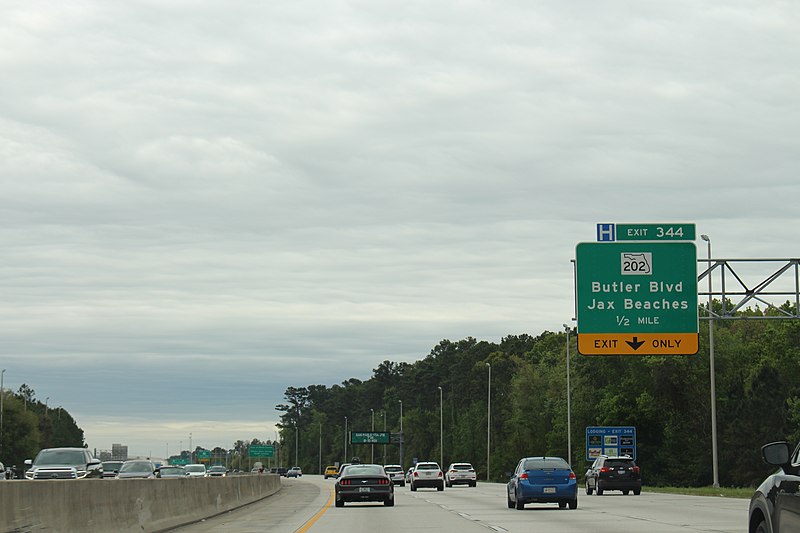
(613, 473)
(773, 507)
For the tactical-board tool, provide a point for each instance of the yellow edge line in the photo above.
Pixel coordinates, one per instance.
(305, 527)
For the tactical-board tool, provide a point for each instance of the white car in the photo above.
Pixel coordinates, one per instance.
(294, 471)
(196, 470)
(396, 474)
(427, 474)
(460, 474)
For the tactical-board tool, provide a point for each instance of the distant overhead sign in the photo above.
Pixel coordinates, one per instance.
(637, 298)
(370, 437)
(608, 232)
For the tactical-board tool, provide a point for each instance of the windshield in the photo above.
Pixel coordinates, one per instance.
(217, 469)
(195, 468)
(364, 470)
(546, 463)
(60, 457)
(171, 471)
(136, 467)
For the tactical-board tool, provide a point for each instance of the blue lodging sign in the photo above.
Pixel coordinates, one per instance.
(612, 441)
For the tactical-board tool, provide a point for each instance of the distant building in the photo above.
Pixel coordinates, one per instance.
(119, 452)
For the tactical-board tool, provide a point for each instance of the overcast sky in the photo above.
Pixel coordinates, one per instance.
(204, 203)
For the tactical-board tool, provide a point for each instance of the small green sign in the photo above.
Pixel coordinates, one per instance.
(655, 232)
(370, 437)
(204, 454)
(262, 450)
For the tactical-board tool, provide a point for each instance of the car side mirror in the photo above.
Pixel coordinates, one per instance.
(776, 453)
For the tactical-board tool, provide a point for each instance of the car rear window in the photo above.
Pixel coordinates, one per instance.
(617, 463)
(427, 466)
(392, 468)
(462, 466)
(546, 463)
(364, 470)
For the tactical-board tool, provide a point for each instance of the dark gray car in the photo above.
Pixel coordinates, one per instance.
(64, 463)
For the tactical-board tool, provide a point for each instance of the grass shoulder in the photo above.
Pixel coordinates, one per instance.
(720, 492)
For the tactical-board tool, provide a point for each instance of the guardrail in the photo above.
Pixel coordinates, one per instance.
(141, 505)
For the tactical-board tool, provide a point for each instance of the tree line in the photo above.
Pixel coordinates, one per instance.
(666, 398)
(30, 425)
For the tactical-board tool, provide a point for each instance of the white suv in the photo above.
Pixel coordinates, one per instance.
(460, 474)
(427, 474)
(396, 474)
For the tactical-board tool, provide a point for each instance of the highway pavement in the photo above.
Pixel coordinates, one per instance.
(306, 505)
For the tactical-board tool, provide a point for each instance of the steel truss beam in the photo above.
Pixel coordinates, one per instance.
(777, 286)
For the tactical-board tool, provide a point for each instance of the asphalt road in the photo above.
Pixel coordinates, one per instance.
(305, 505)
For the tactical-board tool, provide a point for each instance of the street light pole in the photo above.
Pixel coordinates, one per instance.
(488, 419)
(401, 435)
(383, 412)
(441, 429)
(320, 447)
(191, 452)
(372, 418)
(714, 456)
(2, 395)
(345, 440)
(569, 422)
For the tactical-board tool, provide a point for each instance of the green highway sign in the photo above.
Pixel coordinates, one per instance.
(370, 437)
(259, 450)
(204, 454)
(645, 232)
(179, 462)
(637, 298)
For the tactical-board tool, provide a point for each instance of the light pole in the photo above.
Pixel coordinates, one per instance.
(296, 445)
(372, 417)
(345, 440)
(488, 419)
(45, 405)
(441, 429)
(401, 435)
(711, 369)
(191, 452)
(383, 412)
(320, 447)
(569, 422)
(2, 395)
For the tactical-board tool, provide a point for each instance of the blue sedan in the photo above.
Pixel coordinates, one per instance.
(543, 480)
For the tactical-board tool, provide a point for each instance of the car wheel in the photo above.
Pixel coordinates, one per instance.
(440, 488)
(389, 502)
(589, 489)
(448, 484)
(519, 503)
(510, 501)
(473, 484)
(762, 527)
(339, 503)
(626, 492)
(413, 488)
(636, 492)
(562, 505)
(573, 504)
(599, 489)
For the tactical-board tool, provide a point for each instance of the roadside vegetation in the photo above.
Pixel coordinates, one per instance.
(667, 399)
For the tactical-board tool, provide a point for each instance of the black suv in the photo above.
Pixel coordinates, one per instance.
(613, 473)
(772, 507)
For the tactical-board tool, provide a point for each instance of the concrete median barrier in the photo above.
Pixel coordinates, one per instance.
(142, 505)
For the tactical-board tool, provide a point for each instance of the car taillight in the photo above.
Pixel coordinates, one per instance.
(572, 475)
(344, 482)
(523, 475)
(383, 482)
(604, 469)
(440, 473)
(416, 474)
(635, 469)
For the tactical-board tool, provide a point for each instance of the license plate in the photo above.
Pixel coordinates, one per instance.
(549, 490)
(363, 489)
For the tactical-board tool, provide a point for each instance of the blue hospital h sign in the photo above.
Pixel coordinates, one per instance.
(606, 233)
